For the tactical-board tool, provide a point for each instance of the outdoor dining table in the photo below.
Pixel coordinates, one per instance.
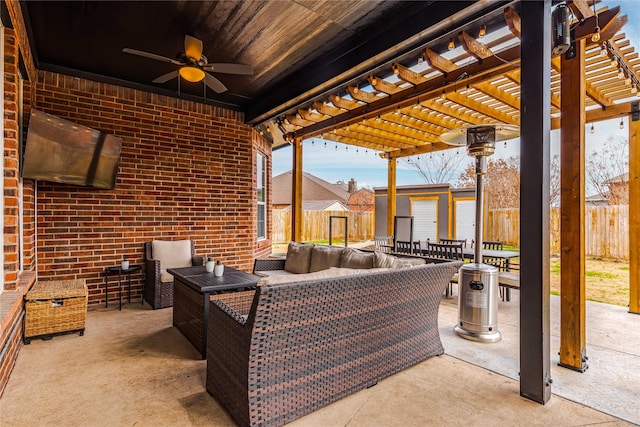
(493, 253)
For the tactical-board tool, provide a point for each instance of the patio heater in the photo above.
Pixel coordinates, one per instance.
(478, 290)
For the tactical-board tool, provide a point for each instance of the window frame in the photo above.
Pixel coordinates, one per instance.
(261, 195)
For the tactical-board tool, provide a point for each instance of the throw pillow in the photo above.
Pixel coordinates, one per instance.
(353, 258)
(298, 258)
(323, 257)
(382, 260)
(407, 262)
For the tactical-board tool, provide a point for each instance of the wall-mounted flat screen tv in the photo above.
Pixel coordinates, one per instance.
(58, 150)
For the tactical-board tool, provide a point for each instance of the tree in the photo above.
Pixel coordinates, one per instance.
(502, 182)
(607, 170)
(554, 180)
(440, 167)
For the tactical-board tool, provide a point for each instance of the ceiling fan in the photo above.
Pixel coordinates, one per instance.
(194, 66)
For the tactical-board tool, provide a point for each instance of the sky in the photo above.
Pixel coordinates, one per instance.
(335, 162)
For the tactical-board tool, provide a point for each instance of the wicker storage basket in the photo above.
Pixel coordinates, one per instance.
(55, 307)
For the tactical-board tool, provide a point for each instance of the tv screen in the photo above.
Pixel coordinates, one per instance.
(58, 150)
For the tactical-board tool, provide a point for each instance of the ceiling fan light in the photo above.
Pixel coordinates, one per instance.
(191, 73)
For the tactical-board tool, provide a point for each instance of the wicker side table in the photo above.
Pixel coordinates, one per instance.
(55, 307)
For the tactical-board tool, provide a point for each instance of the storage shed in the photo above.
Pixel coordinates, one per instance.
(439, 212)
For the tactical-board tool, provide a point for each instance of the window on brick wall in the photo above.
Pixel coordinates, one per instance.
(261, 170)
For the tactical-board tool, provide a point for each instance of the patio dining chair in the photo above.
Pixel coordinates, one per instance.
(446, 251)
(407, 247)
(494, 246)
(462, 242)
(383, 243)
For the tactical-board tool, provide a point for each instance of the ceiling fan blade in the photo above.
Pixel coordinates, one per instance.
(151, 55)
(215, 84)
(192, 47)
(166, 77)
(230, 68)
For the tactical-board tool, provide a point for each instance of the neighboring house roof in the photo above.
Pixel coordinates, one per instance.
(321, 205)
(313, 188)
(620, 179)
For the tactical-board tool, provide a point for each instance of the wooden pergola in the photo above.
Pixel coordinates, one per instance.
(402, 107)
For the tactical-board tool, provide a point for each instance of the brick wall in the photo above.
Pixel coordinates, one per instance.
(187, 171)
(11, 163)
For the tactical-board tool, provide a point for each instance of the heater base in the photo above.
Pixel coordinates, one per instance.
(487, 337)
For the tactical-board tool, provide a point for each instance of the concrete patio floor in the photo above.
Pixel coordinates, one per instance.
(611, 383)
(133, 368)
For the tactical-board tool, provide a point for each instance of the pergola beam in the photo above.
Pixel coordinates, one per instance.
(476, 72)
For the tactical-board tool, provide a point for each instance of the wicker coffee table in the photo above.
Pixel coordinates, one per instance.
(192, 287)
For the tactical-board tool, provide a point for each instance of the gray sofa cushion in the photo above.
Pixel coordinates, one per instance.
(324, 257)
(353, 258)
(298, 258)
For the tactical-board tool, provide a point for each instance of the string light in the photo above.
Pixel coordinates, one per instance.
(451, 45)
(420, 59)
(621, 124)
(373, 80)
(396, 69)
(443, 95)
(593, 129)
(623, 70)
(596, 31)
(603, 51)
(482, 32)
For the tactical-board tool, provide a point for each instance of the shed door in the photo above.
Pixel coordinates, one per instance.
(425, 220)
(465, 220)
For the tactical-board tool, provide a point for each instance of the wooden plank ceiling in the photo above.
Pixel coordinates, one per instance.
(402, 110)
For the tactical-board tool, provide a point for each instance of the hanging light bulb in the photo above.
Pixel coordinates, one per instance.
(621, 123)
(593, 129)
(420, 59)
(396, 69)
(443, 95)
(356, 89)
(451, 45)
(336, 147)
(627, 80)
(505, 144)
(614, 62)
(482, 32)
(634, 88)
(620, 73)
(596, 31)
(373, 80)
(603, 51)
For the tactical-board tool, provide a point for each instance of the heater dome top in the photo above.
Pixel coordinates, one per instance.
(476, 134)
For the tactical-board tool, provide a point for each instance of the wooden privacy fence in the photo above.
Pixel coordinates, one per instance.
(606, 230)
(316, 225)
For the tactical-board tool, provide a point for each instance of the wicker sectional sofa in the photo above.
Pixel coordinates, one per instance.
(293, 346)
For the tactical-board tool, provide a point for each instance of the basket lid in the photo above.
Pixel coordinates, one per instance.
(57, 289)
